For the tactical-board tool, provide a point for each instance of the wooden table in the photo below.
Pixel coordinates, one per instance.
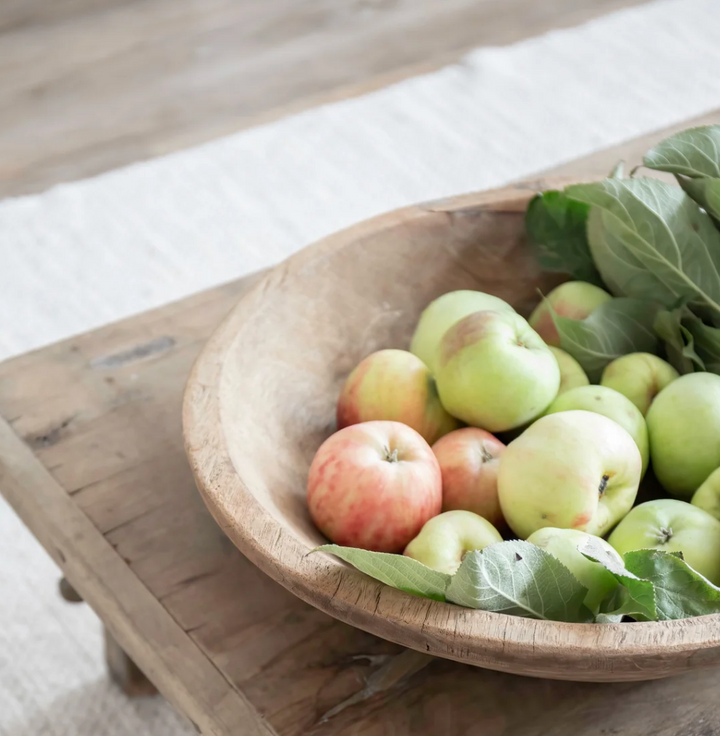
(90, 441)
(91, 458)
(90, 85)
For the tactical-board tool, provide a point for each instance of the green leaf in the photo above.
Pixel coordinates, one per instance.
(706, 342)
(616, 328)
(398, 571)
(621, 603)
(555, 227)
(618, 171)
(520, 579)
(680, 592)
(650, 241)
(694, 157)
(608, 618)
(693, 152)
(679, 341)
(633, 597)
(706, 192)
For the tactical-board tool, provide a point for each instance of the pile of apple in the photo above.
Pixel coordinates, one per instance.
(416, 467)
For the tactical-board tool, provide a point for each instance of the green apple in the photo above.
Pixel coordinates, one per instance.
(494, 371)
(564, 544)
(611, 404)
(574, 300)
(571, 373)
(396, 386)
(707, 497)
(443, 313)
(571, 470)
(684, 428)
(673, 526)
(640, 377)
(444, 540)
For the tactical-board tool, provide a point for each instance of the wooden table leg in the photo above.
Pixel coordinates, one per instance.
(68, 592)
(124, 672)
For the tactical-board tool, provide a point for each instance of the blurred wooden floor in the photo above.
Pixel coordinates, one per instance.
(90, 85)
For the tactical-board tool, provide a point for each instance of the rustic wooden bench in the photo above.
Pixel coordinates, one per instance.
(91, 458)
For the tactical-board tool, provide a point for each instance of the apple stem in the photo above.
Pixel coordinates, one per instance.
(391, 457)
(603, 484)
(486, 456)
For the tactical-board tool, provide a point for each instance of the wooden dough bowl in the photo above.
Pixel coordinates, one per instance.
(261, 400)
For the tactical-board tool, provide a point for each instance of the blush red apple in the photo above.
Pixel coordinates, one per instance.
(373, 486)
(394, 385)
(469, 460)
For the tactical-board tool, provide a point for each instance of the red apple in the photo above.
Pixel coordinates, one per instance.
(394, 385)
(374, 485)
(469, 459)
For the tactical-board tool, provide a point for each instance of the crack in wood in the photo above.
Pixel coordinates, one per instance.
(51, 437)
(394, 670)
(139, 352)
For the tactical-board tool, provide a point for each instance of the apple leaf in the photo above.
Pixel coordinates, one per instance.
(403, 573)
(618, 171)
(616, 328)
(679, 341)
(520, 579)
(694, 152)
(608, 618)
(555, 227)
(693, 155)
(633, 597)
(706, 192)
(706, 341)
(680, 592)
(649, 240)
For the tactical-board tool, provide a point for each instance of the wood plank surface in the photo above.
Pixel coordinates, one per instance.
(105, 581)
(90, 85)
(112, 499)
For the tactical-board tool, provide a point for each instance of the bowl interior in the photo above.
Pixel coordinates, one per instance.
(322, 314)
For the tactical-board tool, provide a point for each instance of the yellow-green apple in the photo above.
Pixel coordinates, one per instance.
(571, 373)
(640, 377)
(684, 428)
(673, 526)
(373, 486)
(565, 544)
(611, 404)
(495, 372)
(443, 313)
(572, 470)
(446, 538)
(707, 497)
(469, 460)
(574, 300)
(396, 386)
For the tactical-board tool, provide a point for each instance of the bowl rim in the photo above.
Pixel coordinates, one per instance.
(492, 640)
